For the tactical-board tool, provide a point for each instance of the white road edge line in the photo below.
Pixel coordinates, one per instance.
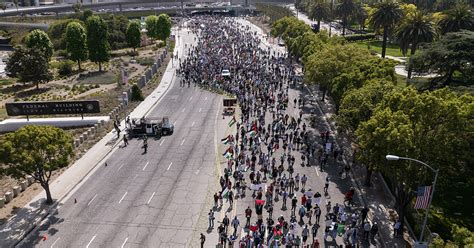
(161, 143)
(91, 200)
(190, 98)
(91, 241)
(192, 125)
(124, 242)
(144, 167)
(121, 199)
(151, 197)
(182, 142)
(55, 242)
(169, 166)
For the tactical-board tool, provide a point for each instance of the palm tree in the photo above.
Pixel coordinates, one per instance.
(345, 9)
(415, 29)
(460, 17)
(361, 15)
(386, 16)
(320, 11)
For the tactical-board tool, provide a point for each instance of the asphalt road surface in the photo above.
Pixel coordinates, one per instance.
(145, 200)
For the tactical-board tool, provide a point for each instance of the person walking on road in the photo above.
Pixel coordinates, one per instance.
(211, 219)
(305, 234)
(303, 181)
(248, 215)
(302, 213)
(226, 223)
(294, 202)
(203, 240)
(125, 140)
(235, 224)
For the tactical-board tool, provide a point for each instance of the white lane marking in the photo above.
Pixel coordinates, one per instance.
(55, 242)
(205, 98)
(317, 173)
(182, 142)
(124, 242)
(120, 167)
(161, 143)
(135, 176)
(144, 167)
(151, 197)
(169, 166)
(174, 123)
(121, 199)
(197, 172)
(200, 110)
(190, 98)
(91, 200)
(192, 125)
(183, 110)
(91, 241)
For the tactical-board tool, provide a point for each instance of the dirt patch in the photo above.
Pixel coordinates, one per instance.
(261, 22)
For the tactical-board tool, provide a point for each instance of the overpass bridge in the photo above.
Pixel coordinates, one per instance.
(166, 6)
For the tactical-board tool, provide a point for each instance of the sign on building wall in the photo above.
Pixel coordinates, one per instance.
(52, 108)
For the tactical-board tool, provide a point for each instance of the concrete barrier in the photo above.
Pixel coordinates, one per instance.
(11, 125)
(154, 68)
(90, 133)
(23, 185)
(81, 138)
(77, 143)
(16, 191)
(8, 197)
(85, 135)
(30, 180)
(2, 202)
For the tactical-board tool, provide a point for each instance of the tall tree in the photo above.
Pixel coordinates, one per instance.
(434, 127)
(452, 53)
(133, 34)
(460, 17)
(76, 41)
(38, 39)
(151, 26)
(29, 65)
(320, 11)
(163, 27)
(345, 10)
(415, 29)
(35, 151)
(97, 40)
(386, 16)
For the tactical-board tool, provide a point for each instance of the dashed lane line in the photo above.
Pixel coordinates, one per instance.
(91, 200)
(121, 199)
(87, 246)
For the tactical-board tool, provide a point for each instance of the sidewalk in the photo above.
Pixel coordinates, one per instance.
(376, 198)
(27, 218)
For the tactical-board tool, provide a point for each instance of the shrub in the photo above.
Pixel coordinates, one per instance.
(360, 37)
(65, 67)
(136, 93)
(132, 53)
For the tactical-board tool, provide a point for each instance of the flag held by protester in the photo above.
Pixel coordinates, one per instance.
(232, 122)
(422, 197)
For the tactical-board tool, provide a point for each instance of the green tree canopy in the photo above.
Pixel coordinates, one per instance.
(38, 39)
(97, 40)
(456, 19)
(35, 151)
(151, 26)
(163, 27)
(134, 34)
(29, 65)
(452, 53)
(76, 38)
(435, 127)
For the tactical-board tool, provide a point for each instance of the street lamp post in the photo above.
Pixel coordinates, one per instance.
(394, 157)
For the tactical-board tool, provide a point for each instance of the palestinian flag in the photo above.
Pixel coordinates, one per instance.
(232, 122)
(252, 133)
(229, 153)
(225, 193)
(226, 140)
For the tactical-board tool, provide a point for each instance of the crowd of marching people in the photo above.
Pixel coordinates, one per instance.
(269, 145)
